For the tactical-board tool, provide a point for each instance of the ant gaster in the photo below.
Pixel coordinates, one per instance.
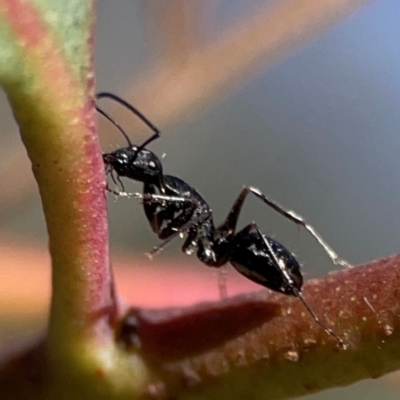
(172, 207)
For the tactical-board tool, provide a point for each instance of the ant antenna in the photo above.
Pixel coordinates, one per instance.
(298, 294)
(135, 111)
(104, 114)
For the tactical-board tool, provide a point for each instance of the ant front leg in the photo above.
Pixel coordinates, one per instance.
(152, 198)
(297, 219)
(159, 199)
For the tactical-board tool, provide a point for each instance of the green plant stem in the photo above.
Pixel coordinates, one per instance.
(52, 100)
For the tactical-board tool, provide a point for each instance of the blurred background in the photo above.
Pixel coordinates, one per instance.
(296, 98)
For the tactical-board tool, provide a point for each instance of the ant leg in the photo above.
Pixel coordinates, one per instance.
(222, 273)
(109, 190)
(274, 257)
(229, 226)
(318, 321)
(160, 199)
(116, 192)
(117, 181)
(297, 219)
(152, 198)
(120, 182)
(160, 247)
(184, 228)
(296, 292)
(110, 172)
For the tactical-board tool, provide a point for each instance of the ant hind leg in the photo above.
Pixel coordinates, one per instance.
(297, 219)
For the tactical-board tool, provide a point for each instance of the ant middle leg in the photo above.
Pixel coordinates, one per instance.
(181, 225)
(222, 277)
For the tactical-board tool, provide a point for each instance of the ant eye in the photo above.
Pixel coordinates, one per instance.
(152, 164)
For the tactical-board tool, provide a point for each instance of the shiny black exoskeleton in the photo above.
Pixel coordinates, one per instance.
(173, 207)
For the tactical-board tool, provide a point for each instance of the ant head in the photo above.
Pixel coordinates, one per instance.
(138, 164)
(134, 162)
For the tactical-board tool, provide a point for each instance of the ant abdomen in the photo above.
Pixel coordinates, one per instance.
(252, 257)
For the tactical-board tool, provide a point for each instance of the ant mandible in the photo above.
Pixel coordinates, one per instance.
(172, 207)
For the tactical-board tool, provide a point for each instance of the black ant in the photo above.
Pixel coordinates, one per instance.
(174, 208)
